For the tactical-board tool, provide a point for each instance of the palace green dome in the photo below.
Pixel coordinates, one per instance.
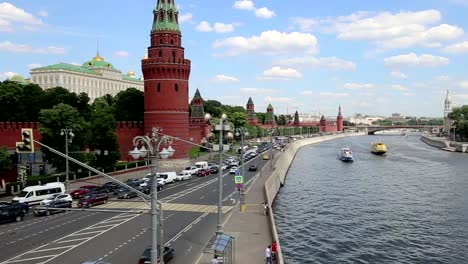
(98, 62)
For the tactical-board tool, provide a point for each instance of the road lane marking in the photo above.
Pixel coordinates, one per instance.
(49, 249)
(28, 259)
(71, 240)
(202, 197)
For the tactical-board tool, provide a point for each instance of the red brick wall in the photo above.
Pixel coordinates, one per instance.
(10, 133)
(126, 131)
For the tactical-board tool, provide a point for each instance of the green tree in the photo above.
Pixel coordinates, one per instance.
(31, 102)
(261, 117)
(459, 115)
(129, 105)
(238, 119)
(52, 122)
(6, 162)
(10, 98)
(103, 136)
(213, 107)
(281, 120)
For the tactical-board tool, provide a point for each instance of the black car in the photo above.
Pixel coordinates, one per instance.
(53, 204)
(133, 182)
(214, 169)
(109, 187)
(23, 206)
(126, 194)
(11, 212)
(253, 167)
(146, 256)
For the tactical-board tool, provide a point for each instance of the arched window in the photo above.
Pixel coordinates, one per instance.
(176, 87)
(159, 87)
(160, 41)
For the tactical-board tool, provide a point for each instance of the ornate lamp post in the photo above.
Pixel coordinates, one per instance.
(221, 127)
(67, 132)
(242, 133)
(153, 144)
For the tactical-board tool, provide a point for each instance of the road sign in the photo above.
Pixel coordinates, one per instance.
(239, 179)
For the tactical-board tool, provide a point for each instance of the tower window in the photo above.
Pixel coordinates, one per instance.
(173, 54)
(160, 53)
(160, 41)
(176, 87)
(159, 87)
(172, 42)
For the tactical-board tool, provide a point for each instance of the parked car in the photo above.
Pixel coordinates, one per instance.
(23, 206)
(224, 166)
(133, 182)
(192, 170)
(35, 194)
(203, 172)
(147, 185)
(57, 197)
(11, 212)
(126, 193)
(93, 199)
(214, 169)
(253, 167)
(233, 170)
(166, 177)
(182, 176)
(79, 193)
(109, 187)
(145, 258)
(266, 157)
(53, 204)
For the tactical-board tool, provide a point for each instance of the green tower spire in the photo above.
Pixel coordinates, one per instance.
(166, 16)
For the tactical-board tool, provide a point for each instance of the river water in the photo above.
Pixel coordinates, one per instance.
(410, 206)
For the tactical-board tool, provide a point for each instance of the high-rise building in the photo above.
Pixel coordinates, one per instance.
(166, 73)
(96, 78)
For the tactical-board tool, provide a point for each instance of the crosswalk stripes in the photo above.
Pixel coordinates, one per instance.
(200, 208)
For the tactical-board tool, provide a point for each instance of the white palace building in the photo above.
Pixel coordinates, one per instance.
(95, 77)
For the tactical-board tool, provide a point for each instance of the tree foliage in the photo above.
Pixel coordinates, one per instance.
(129, 105)
(6, 162)
(459, 115)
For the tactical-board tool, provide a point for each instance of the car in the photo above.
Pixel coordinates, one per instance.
(146, 256)
(266, 157)
(53, 204)
(233, 170)
(93, 199)
(126, 193)
(133, 182)
(11, 212)
(203, 172)
(23, 206)
(146, 186)
(192, 170)
(109, 187)
(182, 176)
(82, 191)
(253, 167)
(214, 169)
(57, 197)
(224, 166)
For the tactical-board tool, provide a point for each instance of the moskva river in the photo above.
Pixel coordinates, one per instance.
(410, 206)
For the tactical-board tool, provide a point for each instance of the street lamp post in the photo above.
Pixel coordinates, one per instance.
(153, 144)
(242, 132)
(221, 127)
(67, 132)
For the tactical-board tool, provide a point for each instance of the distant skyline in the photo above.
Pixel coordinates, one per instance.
(370, 57)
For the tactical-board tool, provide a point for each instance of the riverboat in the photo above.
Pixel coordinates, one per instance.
(379, 148)
(346, 155)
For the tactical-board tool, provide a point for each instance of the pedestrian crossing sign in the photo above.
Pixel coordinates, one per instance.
(239, 179)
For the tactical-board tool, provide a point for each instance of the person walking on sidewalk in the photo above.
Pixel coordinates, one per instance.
(265, 208)
(214, 260)
(268, 255)
(274, 252)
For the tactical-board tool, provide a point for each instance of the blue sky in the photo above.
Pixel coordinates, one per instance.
(372, 57)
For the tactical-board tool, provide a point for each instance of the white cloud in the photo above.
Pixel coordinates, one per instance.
(442, 78)
(244, 5)
(333, 63)
(457, 48)
(409, 94)
(305, 24)
(121, 53)
(412, 59)
(307, 93)
(255, 91)
(358, 86)
(333, 95)
(7, 75)
(225, 78)
(464, 84)
(281, 73)
(22, 48)
(264, 13)
(185, 18)
(270, 99)
(34, 65)
(43, 13)
(396, 30)
(271, 43)
(12, 17)
(398, 87)
(398, 75)
(205, 26)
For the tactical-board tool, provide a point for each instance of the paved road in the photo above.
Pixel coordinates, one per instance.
(189, 222)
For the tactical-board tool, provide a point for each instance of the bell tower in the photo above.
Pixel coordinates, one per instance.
(339, 120)
(166, 73)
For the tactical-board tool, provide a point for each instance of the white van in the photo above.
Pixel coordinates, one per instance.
(35, 194)
(201, 165)
(166, 177)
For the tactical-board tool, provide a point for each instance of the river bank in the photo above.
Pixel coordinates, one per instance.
(445, 144)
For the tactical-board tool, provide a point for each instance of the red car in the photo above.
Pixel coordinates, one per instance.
(76, 194)
(93, 199)
(203, 172)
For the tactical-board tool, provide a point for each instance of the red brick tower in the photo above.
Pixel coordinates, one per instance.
(339, 120)
(296, 119)
(166, 73)
(323, 124)
(251, 116)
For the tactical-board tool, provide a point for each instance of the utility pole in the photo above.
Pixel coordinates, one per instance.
(67, 132)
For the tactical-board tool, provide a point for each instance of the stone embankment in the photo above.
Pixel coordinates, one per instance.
(445, 144)
(278, 176)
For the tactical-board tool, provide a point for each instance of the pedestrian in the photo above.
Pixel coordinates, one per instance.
(268, 255)
(265, 208)
(274, 252)
(214, 260)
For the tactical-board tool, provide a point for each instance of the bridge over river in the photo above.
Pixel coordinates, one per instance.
(370, 130)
